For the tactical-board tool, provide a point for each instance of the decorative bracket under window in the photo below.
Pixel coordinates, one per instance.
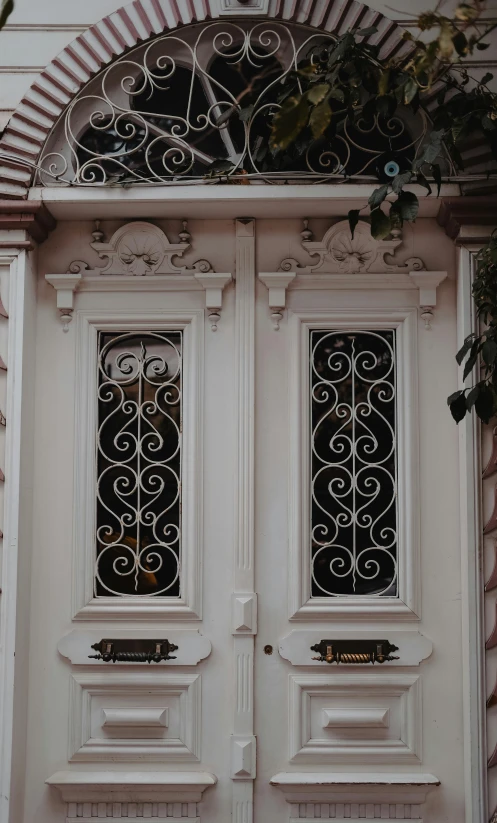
(65, 286)
(427, 282)
(213, 283)
(277, 282)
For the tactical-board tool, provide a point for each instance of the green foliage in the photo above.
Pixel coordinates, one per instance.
(479, 351)
(6, 9)
(345, 81)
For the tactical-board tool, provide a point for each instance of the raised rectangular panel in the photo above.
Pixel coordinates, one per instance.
(130, 715)
(353, 718)
(360, 718)
(136, 716)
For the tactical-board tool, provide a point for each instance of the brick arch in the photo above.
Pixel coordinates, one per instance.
(102, 43)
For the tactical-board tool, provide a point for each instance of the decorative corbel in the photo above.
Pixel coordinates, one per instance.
(213, 283)
(277, 283)
(427, 282)
(65, 285)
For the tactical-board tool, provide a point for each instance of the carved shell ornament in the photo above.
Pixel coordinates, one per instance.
(341, 253)
(140, 249)
(140, 253)
(352, 253)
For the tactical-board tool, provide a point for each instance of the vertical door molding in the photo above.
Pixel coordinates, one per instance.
(243, 748)
(407, 605)
(86, 606)
(472, 662)
(18, 296)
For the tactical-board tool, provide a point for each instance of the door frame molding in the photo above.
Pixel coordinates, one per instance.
(14, 602)
(407, 606)
(189, 605)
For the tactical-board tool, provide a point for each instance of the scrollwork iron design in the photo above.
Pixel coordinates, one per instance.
(200, 107)
(139, 464)
(353, 464)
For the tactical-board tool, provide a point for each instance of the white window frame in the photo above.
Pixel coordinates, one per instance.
(85, 605)
(406, 606)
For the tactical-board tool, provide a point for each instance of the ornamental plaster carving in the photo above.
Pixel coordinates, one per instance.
(143, 249)
(341, 253)
(139, 250)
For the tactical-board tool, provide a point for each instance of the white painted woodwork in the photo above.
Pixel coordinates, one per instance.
(275, 202)
(480, 792)
(17, 341)
(65, 286)
(244, 610)
(378, 718)
(224, 707)
(243, 742)
(277, 283)
(355, 718)
(135, 716)
(111, 786)
(413, 646)
(410, 690)
(351, 787)
(154, 717)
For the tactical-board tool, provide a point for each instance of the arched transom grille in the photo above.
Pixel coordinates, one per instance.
(199, 107)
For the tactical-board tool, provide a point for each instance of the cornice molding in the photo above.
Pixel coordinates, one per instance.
(468, 219)
(136, 786)
(32, 218)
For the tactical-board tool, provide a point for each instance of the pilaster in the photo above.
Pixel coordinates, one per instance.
(469, 221)
(244, 600)
(17, 339)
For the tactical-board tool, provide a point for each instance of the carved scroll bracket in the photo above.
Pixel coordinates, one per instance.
(65, 286)
(277, 282)
(213, 284)
(340, 252)
(427, 282)
(139, 257)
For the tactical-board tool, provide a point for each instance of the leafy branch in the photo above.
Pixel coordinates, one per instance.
(481, 349)
(6, 9)
(345, 82)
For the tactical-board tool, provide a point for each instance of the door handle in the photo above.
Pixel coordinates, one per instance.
(354, 651)
(133, 651)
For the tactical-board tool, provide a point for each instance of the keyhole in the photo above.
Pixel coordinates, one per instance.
(268, 649)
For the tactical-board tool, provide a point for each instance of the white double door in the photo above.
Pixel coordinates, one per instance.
(318, 501)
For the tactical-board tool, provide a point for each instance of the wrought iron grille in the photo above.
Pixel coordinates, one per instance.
(353, 463)
(139, 464)
(200, 106)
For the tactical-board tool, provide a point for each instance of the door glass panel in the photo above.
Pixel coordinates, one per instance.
(138, 538)
(353, 463)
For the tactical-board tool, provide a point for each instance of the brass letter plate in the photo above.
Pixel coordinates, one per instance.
(133, 651)
(354, 651)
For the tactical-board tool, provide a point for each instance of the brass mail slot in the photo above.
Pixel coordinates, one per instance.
(133, 651)
(354, 651)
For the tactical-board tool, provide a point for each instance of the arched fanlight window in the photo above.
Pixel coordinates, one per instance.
(199, 107)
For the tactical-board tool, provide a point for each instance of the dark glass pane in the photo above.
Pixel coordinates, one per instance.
(353, 465)
(139, 464)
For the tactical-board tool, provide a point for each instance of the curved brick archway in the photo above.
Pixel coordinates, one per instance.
(134, 23)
